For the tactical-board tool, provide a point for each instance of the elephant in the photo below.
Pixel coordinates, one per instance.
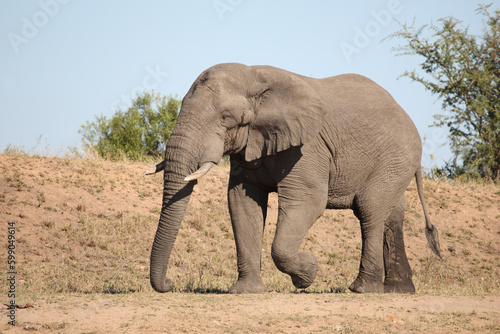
(340, 142)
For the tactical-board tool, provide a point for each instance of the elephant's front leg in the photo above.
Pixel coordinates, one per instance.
(295, 217)
(247, 207)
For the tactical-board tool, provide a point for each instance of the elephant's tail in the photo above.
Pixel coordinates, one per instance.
(430, 231)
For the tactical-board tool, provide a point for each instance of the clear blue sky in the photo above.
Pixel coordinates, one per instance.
(64, 61)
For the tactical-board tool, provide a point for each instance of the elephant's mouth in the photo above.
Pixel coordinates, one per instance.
(236, 143)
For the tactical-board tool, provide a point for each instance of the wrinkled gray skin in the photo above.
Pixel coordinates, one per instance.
(335, 143)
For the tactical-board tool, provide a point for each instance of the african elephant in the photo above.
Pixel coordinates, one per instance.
(335, 143)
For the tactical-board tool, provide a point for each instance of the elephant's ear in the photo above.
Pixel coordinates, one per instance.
(288, 112)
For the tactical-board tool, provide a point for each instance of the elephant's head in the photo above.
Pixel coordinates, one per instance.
(230, 108)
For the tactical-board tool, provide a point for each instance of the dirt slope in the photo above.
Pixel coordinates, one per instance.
(84, 230)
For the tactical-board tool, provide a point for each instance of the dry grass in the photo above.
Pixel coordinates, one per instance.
(85, 225)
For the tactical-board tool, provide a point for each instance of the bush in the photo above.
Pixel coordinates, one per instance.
(141, 131)
(464, 71)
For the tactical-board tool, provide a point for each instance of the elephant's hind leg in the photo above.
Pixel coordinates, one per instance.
(397, 269)
(371, 267)
(371, 208)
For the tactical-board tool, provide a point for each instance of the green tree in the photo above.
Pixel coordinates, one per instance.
(142, 130)
(464, 71)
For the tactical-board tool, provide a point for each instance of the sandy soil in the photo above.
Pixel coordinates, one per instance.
(267, 313)
(84, 232)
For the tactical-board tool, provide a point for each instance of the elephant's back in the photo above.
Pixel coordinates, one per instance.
(357, 93)
(376, 135)
(367, 110)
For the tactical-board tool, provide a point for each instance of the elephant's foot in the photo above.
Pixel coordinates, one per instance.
(247, 285)
(361, 285)
(302, 269)
(302, 282)
(306, 276)
(399, 286)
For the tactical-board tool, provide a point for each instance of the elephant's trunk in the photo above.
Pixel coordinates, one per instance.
(172, 213)
(186, 151)
(176, 194)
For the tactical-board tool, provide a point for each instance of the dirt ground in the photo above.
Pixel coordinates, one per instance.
(84, 230)
(267, 313)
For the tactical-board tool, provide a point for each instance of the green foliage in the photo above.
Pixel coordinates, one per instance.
(142, 130)
(464, 71)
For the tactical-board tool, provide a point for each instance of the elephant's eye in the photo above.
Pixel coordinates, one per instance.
(263, 96)
(228, 119)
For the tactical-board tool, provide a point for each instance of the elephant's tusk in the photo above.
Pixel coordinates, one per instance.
(156, 169)
(200, 172)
